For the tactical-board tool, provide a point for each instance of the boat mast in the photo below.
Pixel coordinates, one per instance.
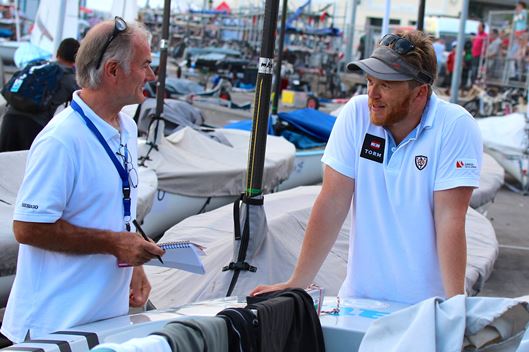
(420, 15)
(162, 67)
(60, 27)
(17, 22)
(350, 35)
(277, 88)
(250, 218)
(263, 85)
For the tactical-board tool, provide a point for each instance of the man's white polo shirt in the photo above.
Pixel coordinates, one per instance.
(392, 253)
(69, 176)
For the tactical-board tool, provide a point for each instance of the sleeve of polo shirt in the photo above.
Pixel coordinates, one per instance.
(48, 183)
(340, 152)
(460, 155)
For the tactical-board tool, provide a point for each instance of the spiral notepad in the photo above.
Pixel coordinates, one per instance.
(181, 244)
(183, 255)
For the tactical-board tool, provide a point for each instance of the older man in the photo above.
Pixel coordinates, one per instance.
(78, 260)
(411, 160)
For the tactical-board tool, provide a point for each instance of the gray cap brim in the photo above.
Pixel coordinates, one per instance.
(378, 69)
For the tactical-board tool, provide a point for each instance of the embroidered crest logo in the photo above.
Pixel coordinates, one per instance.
(421, 161)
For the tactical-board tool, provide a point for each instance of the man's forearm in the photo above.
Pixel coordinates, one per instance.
(453, 259)
(450, 209)
(62, 236)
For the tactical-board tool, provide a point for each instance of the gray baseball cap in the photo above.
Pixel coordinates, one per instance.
(386, 64)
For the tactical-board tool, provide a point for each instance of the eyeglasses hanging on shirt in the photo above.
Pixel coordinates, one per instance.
(123, 152)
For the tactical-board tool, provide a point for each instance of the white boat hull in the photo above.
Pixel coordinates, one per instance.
(308, 170)
(338, 330)
(7, 51)
(517, 165)
(506, 139)
(169, 209)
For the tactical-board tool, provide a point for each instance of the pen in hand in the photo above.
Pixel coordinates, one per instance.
(140, 230)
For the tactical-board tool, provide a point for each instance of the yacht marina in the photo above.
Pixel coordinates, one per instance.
(204, 138)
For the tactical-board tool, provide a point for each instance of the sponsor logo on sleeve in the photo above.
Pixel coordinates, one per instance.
(373, 148)
(466, 164)
(421, 161)
(30, 206)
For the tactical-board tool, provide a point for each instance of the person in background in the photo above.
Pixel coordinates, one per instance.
(450, 63)
(466, 66)
(493, 54)
(78, 260)
(477, 48)
(404, 164)
(520, 18)
(19, 128)
(439, 47)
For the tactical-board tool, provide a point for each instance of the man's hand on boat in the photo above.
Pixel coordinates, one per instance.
(274, 287)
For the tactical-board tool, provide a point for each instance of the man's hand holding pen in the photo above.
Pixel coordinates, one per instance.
(134, 250)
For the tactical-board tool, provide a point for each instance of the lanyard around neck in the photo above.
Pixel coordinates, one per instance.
(123, 173)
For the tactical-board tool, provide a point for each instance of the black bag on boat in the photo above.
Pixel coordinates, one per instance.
(32, 88)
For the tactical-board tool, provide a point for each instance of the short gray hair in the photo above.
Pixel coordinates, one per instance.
(121, 49)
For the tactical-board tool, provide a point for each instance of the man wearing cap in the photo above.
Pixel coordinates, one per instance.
(411, 161)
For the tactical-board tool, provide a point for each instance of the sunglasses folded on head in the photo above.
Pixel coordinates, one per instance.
(119, 26)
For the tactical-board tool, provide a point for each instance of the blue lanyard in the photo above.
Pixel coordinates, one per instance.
(123, 173)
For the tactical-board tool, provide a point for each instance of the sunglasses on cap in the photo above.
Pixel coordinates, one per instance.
(401, 46)
(119, 26)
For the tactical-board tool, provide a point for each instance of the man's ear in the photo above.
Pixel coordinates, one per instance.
(422, 91)
(111, 68)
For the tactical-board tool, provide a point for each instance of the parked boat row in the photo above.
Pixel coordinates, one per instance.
(506, 138)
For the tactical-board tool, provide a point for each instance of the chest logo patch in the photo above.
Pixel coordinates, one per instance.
(421, 161)
(373, 148)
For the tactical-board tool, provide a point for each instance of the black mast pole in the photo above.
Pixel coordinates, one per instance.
(265, 69)
(420, 16)
(250, 219)
(152, 140)
(162, 68)
(277, 88)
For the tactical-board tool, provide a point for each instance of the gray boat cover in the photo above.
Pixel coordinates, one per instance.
(11, 176)
(148, 184)
(192, 164)
(176, 113)
(491, 180)
(457, 324)
(287, 215)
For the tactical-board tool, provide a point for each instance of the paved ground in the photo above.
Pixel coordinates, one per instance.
(509, 215)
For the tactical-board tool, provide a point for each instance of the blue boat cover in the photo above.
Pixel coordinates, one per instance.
(246, 125)
(311, 128)
(314, 123)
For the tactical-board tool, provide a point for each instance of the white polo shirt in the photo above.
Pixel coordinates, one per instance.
(70, 176)
(392, 249)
